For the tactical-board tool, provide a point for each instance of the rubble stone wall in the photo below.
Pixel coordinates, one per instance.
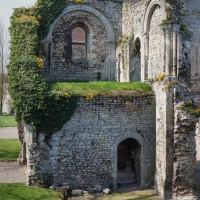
(184, 155)
(192, 20)
(84, 153)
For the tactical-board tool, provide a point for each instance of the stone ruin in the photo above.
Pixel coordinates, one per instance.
(109, 141)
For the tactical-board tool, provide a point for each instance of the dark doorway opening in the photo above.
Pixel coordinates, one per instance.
(128, 162)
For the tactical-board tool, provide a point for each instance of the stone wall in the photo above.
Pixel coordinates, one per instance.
(132, 28)
(184, 155)
(102, 23)
(156, 44)
(84, 153)
(192, 20)
(62, 66)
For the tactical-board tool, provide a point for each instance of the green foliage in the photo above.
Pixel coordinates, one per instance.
(16, 191)
(183, 28)
(47, 11)
(9, 149)
(191, 108)
(7, 121)
(46, 111)
(58, 109)
(34, 104)
(28, 89)
(24, 33)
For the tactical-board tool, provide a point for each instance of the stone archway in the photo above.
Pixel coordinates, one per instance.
(128, 162)
(103, 30)
(153, 35)
(114, 156)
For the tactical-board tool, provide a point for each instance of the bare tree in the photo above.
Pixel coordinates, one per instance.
(3, 62)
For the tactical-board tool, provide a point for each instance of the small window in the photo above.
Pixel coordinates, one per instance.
(78, 44)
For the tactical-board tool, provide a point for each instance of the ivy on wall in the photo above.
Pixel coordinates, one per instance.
(33, 101)
(24, 33)
(47, 11)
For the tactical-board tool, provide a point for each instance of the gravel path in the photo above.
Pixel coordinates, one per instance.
(8, 132)
(11, 172)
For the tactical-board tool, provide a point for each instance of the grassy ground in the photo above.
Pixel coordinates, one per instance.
(18, 191)
(9, 149)
(104, 88)
(7, 121)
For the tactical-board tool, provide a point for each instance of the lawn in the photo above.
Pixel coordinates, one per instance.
(102, 87)
(7, 121)
(16, 191)
(9, 149)
(19, 191)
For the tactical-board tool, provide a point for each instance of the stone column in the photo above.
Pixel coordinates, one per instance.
(144, 57)
(175, 30)
(179, 50)
(167, 29)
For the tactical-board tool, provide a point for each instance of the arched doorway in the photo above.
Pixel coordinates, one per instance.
(128, 162)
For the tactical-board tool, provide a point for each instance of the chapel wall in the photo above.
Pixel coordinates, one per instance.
(191, 19)
(83, 154)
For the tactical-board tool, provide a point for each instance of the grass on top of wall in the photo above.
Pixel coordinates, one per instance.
(102, 88)
(9, 149)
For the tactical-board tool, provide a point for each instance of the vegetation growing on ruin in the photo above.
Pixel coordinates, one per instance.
(101, 88)
(46, 12)
(191, 108)
(33, 102)
(36, 102)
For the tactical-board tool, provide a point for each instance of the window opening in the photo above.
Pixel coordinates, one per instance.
(78, 44)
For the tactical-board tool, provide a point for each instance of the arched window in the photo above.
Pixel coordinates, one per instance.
(135, 60)
(78, 44)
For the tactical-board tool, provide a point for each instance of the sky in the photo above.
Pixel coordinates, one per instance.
(6, 9)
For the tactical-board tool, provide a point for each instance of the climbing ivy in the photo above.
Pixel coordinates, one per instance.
(24, 33)
(47, 11)
(33, 101)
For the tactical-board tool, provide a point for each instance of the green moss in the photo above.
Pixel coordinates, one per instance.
(191, 108)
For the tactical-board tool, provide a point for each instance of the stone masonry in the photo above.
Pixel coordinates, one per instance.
(139, 40)
(83, 154)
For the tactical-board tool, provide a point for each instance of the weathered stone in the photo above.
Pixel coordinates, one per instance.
(106, 191)
(77, 192)
(85, 152)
